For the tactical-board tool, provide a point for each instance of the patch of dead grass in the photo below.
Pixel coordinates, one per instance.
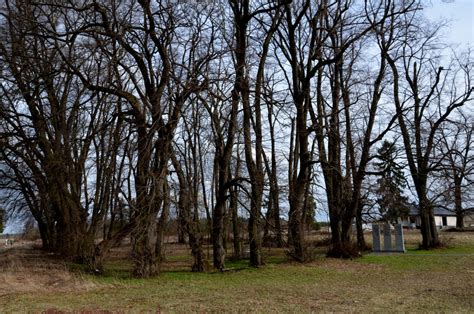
(25, 268)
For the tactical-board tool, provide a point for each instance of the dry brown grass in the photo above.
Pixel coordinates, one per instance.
(26, 269)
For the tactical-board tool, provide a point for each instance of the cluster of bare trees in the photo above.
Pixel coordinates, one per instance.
(120, 116)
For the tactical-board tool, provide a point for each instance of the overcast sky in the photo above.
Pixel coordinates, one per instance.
(460, 14)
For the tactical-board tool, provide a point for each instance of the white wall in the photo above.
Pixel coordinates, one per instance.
(451, 221)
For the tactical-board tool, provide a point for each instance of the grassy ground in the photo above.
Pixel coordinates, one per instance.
(439, 280)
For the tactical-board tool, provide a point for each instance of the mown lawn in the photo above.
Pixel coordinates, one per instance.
(418, 281)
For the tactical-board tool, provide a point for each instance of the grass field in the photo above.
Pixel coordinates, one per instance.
(418, 281)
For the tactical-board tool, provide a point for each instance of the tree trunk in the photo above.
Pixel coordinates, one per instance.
(428, 225)
(162, 224)
(459, 219)
(195, 241)
(336, 246)
(70, 233)
(360, 230)
(458, 204)
(298, 184)
(254, 235)
(237, 244)
(190, 219)
(217, 232)
(144, 238)
(272, 224)
(181, 226)
(295, 224)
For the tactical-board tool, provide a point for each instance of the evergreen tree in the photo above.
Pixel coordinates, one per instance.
(389, 189)
(309, 214)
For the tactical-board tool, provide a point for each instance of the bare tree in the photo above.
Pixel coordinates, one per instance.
(49, 122)
(354, 113)
(189, 178)
(272, 223)
(155, 82)
(457, 169)
(425, 95)
(243, 15)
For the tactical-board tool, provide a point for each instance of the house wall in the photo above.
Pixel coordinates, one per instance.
(469, 221)
(450, 221)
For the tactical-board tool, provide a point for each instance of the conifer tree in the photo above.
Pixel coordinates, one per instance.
(389, 189)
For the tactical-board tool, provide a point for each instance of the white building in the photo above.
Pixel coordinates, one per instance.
(443, 218)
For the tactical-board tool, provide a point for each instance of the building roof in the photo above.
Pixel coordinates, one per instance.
(437, 211)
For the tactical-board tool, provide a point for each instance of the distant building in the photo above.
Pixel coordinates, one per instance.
(469, 219)
(443, 218)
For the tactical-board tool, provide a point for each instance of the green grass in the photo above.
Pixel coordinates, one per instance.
(183, 291)
(419, 281)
